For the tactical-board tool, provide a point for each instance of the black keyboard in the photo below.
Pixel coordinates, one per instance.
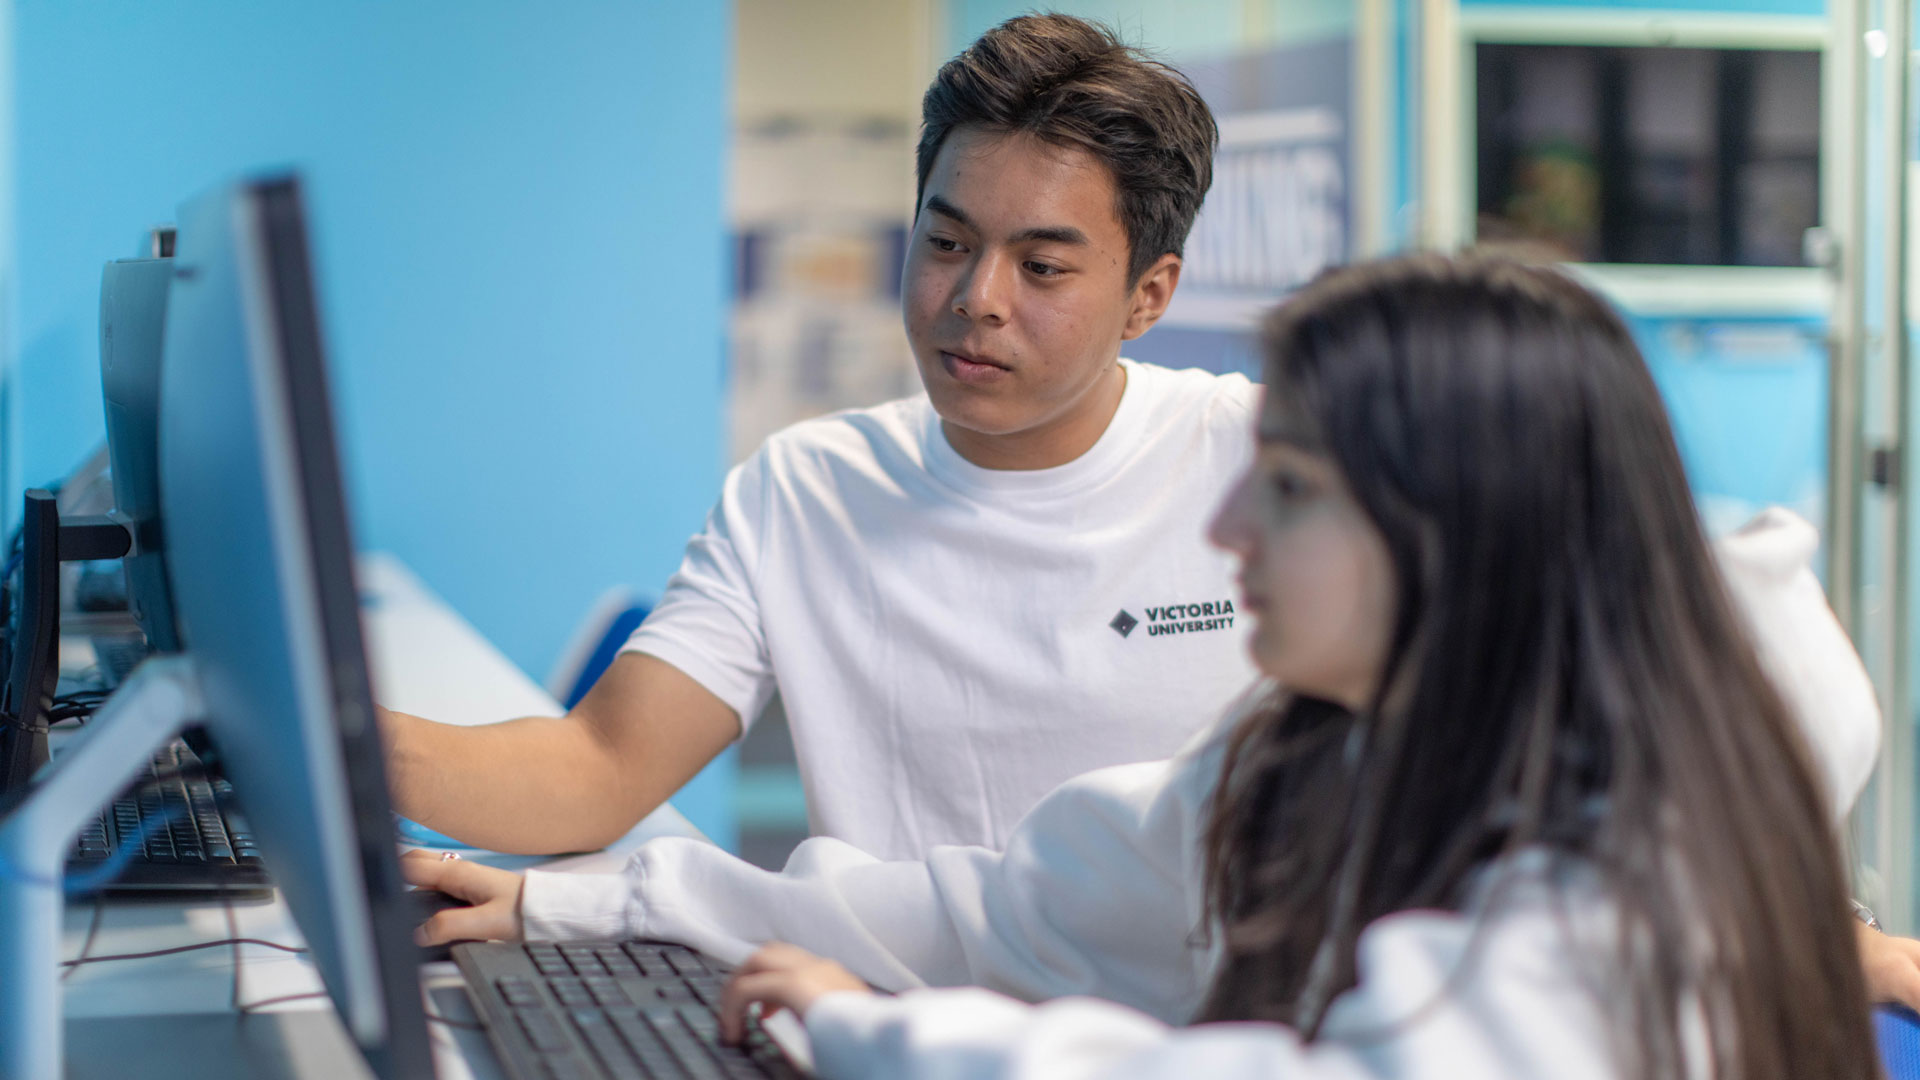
(609, 1011)
(206, 848)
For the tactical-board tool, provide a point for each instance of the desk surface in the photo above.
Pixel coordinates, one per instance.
(425, 659)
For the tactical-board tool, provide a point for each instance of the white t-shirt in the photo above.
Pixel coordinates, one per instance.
(952, 642)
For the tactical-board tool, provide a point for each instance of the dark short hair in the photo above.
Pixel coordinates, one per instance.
(1072, 82)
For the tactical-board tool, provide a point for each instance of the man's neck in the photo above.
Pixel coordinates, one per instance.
(1048, 445)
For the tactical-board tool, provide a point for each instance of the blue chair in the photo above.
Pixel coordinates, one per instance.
(612, 619)
(708, 799)
(1898, 1033)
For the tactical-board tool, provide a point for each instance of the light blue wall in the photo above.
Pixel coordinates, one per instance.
(518, 220)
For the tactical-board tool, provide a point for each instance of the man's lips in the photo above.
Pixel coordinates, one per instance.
(968, 369)
(974, 359)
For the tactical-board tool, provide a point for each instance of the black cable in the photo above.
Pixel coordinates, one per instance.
(221, 944)
(86, 944)
(233, 928)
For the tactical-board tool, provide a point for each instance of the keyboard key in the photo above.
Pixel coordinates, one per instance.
(569, 1068)
(518, 992)
(570, 991)
(607, 1045)
(685, 1046)
(646, 958)
(646, 1045)
(684, 961)
(608, 994)
(583, 960)
(543, 1030)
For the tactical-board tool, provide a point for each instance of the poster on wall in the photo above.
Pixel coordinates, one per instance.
(1279, 211)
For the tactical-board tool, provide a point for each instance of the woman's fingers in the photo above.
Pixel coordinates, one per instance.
(768, 989)
(482, 922)
(494, 894)
(423, 868)
(779, 977)
(1892, 966)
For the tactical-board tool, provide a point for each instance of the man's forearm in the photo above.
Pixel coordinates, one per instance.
(538, 786)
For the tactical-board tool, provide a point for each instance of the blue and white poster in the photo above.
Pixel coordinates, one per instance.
(1279, 211)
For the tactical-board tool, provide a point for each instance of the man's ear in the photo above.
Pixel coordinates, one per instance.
(1152, 295)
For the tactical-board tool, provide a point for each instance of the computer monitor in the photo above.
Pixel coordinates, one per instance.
(259, 557)
(133, 322)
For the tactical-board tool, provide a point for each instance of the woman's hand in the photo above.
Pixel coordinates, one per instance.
(494, 894)
(780, 977)
(1892, 965)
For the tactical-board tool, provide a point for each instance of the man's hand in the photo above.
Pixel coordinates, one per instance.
(494, 894)
(1892, 965)
(780, 977)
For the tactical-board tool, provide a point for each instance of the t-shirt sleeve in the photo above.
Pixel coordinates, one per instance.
(708, 623)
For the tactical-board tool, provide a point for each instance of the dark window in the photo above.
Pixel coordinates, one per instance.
(1649, 155)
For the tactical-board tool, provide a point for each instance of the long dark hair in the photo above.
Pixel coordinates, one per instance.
(1566, 673)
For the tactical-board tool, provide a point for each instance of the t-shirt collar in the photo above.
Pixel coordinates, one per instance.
(1100, 460)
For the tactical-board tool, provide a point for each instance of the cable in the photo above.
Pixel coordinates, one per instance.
(247, 1008)
(87, 881)
(220, 944)
(252, 1007)
(86, 944)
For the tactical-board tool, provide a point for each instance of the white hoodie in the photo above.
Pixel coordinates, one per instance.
(1092, 909)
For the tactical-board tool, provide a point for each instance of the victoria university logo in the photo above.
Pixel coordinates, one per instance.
(1178, 619)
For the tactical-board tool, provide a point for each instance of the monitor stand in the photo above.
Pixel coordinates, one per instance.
(160, 698)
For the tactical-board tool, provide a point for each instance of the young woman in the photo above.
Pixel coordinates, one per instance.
(1528, 804)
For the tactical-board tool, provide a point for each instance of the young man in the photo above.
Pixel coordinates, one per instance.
(963, 598)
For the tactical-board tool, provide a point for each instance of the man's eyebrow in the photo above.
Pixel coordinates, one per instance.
(941, 206)
(1056, 234)
(1053, 234)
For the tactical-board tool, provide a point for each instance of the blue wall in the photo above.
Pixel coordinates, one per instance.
(518, 217)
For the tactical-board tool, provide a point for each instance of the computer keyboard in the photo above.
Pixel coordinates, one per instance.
(609, 1011)
(206, 847)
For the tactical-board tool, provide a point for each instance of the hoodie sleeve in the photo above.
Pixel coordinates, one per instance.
(1095, 894)
(1520, 1009)
(1768, 564)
